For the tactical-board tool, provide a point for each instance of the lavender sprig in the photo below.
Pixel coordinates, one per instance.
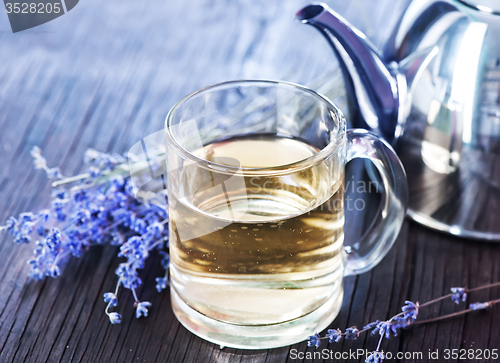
(407, 316)
(40, 163)
(101, 208)
(459, 294)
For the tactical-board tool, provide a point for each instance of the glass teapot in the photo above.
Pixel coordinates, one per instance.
(434, 93)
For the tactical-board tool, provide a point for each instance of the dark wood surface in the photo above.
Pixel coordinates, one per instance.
(104, 76)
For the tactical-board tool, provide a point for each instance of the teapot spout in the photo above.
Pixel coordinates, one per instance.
(371, 84)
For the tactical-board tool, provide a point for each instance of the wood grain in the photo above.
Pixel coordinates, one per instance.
(105, 76)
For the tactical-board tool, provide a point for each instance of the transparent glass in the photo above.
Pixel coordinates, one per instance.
(256, 205)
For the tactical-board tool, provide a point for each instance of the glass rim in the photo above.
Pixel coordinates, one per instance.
(322, 154)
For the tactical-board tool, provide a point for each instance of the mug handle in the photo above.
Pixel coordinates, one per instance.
(379, 238)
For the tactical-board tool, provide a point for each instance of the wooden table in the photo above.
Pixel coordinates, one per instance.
(104, 76)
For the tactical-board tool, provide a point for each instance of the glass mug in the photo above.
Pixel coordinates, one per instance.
(256, 207)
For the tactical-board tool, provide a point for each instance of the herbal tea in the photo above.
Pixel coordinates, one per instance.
(256, 221)
(265, 249)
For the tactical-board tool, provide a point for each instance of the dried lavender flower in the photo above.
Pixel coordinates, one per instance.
(334, 335)
(407, 317)
(459, 294)
(371, 325)
(142, 309)
(375, 357)
(351, 333)
(115, 318)
(479, 305)
(410, 310)
(101, 208)
(384, 328)
(314, 340)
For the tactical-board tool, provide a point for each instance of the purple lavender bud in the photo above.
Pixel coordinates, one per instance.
(334, 335)
(90, 155)
(165, 261)
(142, 309)
(116, 239)
(351, 333)
(138, 225)
(371, 325)
(54, 173)
(127, 277)
(129, 189)
(314, 340)
(115, 318)
(39, 162)
(459, 294)
(122, 215)
(41, 230)
(11, 225)
(385, 328)
(96, 234)
(26, 217)
(111, 299)
(44, 215)
(80, 196)
(35, 151)
(410, 310)
(22, 239)
(82, 216)
(53, 239)
(400, 322)
(94, 172)
(161, 283)
(36, 274)
(479, 305)
(58, 207)
(53, 271)
(118, 182)
(59, 194)
(375, 357)
(121, 199)
(156, 229)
